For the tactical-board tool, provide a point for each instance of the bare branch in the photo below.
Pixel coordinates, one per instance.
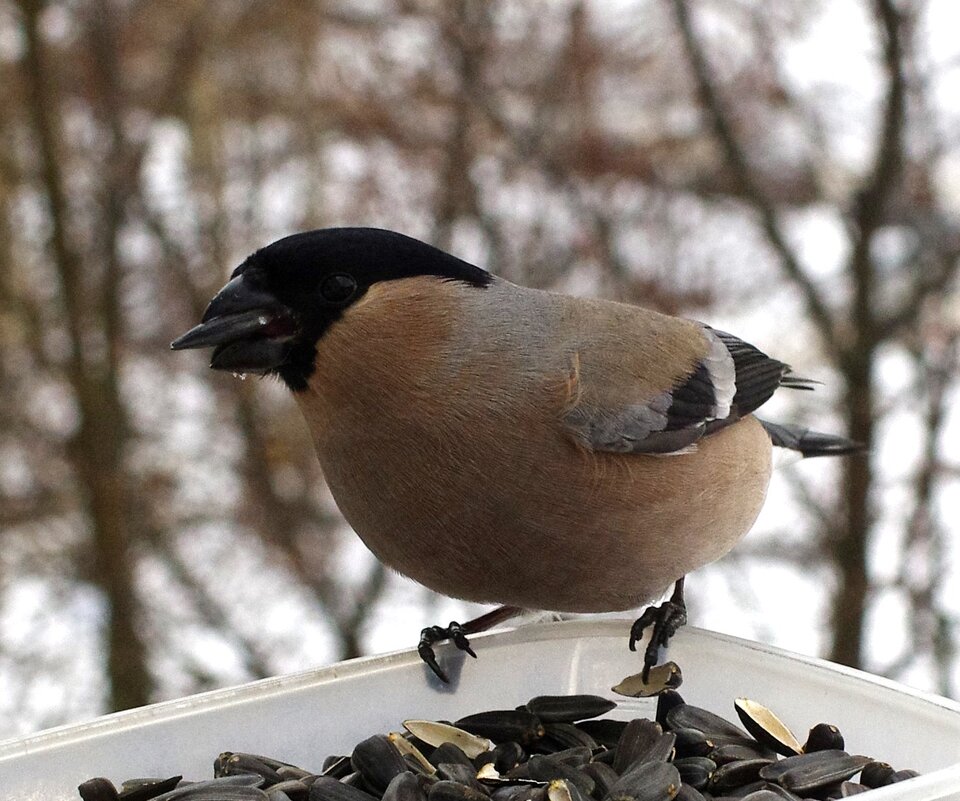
(726, 137)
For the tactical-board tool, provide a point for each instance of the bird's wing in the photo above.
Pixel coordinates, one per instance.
(716, 379)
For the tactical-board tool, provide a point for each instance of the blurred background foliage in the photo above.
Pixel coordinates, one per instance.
(787, 170)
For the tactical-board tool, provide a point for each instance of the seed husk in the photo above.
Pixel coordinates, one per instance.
(666, 701)
(823, 737)
(449, 752)
(903, 775)
(569, 708)
(436, 734)
(408, 749)
(662, 678)
(766, 727)
(808, 772)
(560, 790)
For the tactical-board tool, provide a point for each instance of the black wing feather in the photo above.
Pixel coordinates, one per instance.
(693, 402)
(758, 376)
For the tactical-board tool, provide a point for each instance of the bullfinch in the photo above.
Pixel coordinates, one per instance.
(509, 445)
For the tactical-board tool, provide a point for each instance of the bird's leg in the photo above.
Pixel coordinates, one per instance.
(458, 634)
(665, 619)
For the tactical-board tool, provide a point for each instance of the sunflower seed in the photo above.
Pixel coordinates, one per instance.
(692, 742)
(823, 737)
(605, 731)
(639, 735)
(454, 791)
(546, 769)
(688, 793)
(604, 777)
(500, 725)
(695, 771)
(98, 789)
(762, 795)
(736, 774)
(651, 781)
(592, 760)
(225, 788)
(507, 756)
(735, 752)
(568, 708)
(449, 753)
(687, 716)
(807, 772)
(847, 789)
(567, 735)
(378, 761)
(326, 788)
(876, 774)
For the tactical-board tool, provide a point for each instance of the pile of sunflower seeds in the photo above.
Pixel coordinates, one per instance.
(553, 748)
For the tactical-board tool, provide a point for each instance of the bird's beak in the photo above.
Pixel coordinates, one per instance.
(249, 329)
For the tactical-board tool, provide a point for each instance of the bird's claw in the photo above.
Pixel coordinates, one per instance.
(434, 634)
(665, 619)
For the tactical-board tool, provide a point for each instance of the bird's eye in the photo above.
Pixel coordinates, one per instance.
(338, 288)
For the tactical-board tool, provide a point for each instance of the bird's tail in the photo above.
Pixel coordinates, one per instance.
(809, 443)
(791, 380)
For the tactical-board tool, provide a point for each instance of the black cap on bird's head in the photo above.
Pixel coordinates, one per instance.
(278, 303)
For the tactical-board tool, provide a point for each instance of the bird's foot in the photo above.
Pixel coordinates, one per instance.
(434, 634)
(665, 619)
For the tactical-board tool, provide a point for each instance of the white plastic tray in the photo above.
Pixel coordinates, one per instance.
(303, 717)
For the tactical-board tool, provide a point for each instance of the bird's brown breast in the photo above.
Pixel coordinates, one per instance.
(440, 433)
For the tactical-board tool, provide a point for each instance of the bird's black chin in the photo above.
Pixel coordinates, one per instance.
(249, 329)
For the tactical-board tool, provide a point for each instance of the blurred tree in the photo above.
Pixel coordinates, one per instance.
(173, 524)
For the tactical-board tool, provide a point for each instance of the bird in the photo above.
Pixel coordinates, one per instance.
(509, 445)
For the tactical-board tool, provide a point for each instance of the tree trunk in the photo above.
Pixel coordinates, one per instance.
(97, 447)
